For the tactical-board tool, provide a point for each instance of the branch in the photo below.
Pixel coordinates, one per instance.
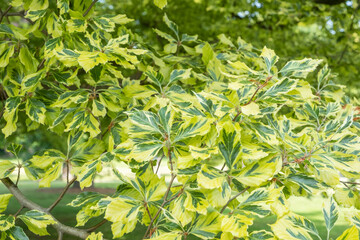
(165, 201)
(96, 226)
(228, 202)
(20, 209)
(258, 88)
(5, 13)
(89, 8)
(252, 97)
(80, 233)
(41, 65)
(61, 195)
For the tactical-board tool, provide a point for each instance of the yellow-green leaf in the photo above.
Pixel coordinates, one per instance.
(4, 201)
(37, 221)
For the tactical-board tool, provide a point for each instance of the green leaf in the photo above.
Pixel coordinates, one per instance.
(63, 5)
(177, 75)
(36, 110)
(330, 216)
(6, 222)
(299, 68)
(351, 233)
(85, 198)
(259, 172)
(6, 53)
(95, 236)
(104, 23)
(16, 233)
(11, 115)
(4, 201)
(171, 25)
(206, 226)
(292, 227)
(87, 173)
(31, 81)
(279, 88)
(122, 209)
(192, 127)
(160, 3)
(37, 221)
(270, 58)
(6, 168)
(88, 60)
(76, 25)
(229, 147)
(14, 148)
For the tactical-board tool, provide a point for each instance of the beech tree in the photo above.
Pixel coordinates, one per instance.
(240, 132)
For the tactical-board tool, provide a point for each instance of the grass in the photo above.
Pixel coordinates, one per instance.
(310, 208)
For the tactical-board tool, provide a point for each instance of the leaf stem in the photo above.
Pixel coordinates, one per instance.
(18, 211)
(228, 202)
(62, 194)
(18, 176)
(89, 8)
(96, 226)
(165, 201)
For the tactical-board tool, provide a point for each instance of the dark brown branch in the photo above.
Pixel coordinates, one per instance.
(5, 13)
(228, 202)
(89, 8)
(96, 226)
(165, 201)
(61, 195)
(80, 233)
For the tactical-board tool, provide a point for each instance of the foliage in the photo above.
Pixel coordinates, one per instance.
(325, 29)
(228, 119)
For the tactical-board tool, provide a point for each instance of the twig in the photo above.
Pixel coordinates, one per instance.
(354, 183)
(258, 88)
(148, 211)
(4, 13)
(80, 233)
(157, 169)
(252, 97)
(223, 166)
(18, 211)
(96, 226)
(61, 195)
(89, 8)
(41, 65)
(67, 170)
(165, 201)
(228, 202)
